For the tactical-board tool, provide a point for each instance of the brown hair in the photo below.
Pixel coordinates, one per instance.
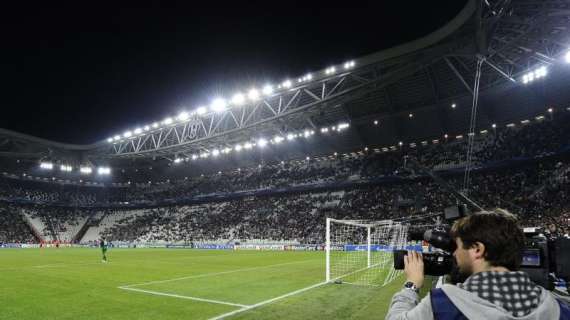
(498, 230)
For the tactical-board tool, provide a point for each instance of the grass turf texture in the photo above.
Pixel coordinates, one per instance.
(72, 283)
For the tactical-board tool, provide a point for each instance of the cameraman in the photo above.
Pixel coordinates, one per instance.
(489, 252)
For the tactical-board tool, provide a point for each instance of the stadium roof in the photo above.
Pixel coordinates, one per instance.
(422, 78)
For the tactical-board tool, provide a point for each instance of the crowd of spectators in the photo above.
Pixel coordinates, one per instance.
(13, 227)
(300, 216)
(537, 189)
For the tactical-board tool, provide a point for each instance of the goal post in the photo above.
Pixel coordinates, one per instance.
(360, 251)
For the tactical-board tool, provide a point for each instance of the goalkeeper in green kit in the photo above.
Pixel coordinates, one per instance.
(103, 245)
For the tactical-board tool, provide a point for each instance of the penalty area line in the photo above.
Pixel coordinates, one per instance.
(158, 293)
(259, 304)
(213, 274)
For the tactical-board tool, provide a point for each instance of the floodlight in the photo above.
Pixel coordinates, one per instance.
(138, 130)
(201, 110)
(167, 121)
(253, 94)
(117, 137)
(215, 152)
(567, 57)
(238, 147)
(146, 128)
(183, 116)
(238, 99)
(127, 134)
(248, 146)
(218, 105)
(155, 125)
(46, 165)
(493, 126)
(267, 89)
(104, 170)
(177, 160)
(261, 142)
(85, 170)
(287, 84)
(110, 140)
(540, 72)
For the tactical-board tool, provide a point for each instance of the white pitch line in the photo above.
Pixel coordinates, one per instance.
(157, 293)
(361, 284)
(229, 314)
(203, 275)
(225, 315)
(65, 264)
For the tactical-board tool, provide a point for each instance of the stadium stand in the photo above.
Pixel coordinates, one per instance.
(525, 169)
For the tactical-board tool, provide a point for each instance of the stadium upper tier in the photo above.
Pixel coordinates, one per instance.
(515, 144)
(416, 82)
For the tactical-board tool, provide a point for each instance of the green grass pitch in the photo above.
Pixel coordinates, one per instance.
(73, 283)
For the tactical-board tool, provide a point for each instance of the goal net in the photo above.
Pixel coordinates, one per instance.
(360, 251)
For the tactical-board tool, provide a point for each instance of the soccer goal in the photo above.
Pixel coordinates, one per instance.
(360, 251)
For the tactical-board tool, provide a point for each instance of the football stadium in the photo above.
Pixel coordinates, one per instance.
(310, 195)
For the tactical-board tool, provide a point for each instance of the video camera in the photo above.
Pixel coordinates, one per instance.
(543, 257)
(437, 263)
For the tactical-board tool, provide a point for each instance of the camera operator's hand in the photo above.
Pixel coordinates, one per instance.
(414, 268)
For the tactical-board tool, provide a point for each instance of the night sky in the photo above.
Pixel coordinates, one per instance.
(81, 73)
